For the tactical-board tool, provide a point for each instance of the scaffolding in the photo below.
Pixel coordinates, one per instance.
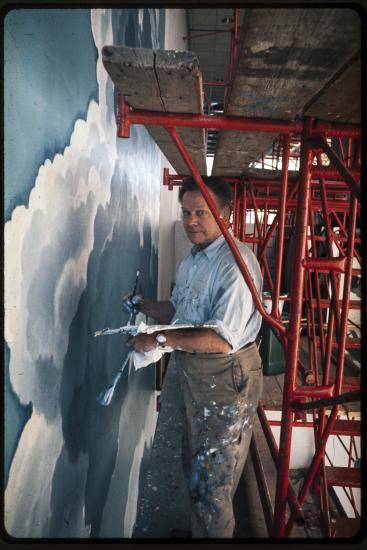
(315, 212)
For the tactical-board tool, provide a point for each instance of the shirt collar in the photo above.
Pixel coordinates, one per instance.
(210, 250)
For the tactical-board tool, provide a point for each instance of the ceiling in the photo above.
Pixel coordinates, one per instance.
(209, 36)
(290, 63)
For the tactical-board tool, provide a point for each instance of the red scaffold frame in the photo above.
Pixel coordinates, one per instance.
(307, 194)
(232, 53)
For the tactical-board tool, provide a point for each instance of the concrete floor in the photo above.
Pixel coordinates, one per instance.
(250, 520)
(164, 501)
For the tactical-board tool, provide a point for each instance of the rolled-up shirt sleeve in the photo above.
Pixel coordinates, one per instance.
(232, 306)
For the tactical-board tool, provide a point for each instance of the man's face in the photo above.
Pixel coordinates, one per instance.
(199, 223)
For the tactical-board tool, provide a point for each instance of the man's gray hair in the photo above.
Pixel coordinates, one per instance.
(221, 189)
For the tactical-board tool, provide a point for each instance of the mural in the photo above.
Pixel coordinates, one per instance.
(82, 212)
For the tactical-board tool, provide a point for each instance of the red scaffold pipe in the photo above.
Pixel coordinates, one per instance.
(273, 448)
(336, 129)
(234, 42)
(330, 173)
(293, 333)
(316, 172)
(316, 392)
(278, 325)
(338, 164)
(346, 397)
(281, 225)
(220, 122)
(326, 264)
(128, 116)
(317, 458)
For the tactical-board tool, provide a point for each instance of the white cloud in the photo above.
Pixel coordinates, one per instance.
(47, 247)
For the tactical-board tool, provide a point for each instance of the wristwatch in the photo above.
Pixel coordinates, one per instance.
(160, 339)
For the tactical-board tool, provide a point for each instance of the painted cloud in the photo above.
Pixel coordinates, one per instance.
(48, 245)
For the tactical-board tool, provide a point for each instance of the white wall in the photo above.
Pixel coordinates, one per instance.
(175, 30)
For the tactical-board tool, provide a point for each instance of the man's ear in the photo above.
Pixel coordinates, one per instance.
(226, 213)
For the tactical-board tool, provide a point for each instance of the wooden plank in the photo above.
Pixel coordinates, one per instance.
(180, 81)
(260, 462)
(163, 81)
(340, 100)
(267, 467)
(286, 57)
(272, 396)
(132, 72)
(346, 528)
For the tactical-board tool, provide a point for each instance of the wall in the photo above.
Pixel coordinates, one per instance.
(82, 212)
(175, 30)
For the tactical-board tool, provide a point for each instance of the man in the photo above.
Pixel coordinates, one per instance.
(219, 372)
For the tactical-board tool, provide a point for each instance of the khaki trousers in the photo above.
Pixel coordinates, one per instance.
(219, 394)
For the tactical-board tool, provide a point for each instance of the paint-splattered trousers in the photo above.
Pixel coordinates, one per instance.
(219, 395)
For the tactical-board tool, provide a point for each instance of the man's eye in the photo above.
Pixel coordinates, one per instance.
(202, 213)
(185, 214)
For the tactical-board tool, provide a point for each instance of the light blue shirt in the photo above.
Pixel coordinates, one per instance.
(211, 289)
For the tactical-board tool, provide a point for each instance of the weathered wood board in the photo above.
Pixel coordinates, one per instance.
(272, 396)
(287, 60)
(340, 100)
(164, 81)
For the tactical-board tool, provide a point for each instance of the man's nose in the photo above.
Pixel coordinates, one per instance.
(192, 218)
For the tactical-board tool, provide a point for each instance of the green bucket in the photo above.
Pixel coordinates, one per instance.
(271, 351)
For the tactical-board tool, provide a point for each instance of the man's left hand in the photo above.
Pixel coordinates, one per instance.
(143, 342)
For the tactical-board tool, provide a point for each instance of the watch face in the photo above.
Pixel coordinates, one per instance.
(161, 339)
